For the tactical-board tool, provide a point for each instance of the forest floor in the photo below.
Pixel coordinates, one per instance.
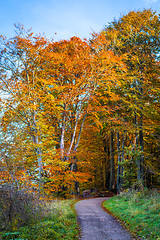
(95, 223)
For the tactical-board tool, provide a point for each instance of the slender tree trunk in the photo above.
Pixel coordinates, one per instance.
(80, 131)
(119, 167)
(37, 149)
(39, 156)
(105, 164)
(74, 132)
(142, 147)
(74, 165)
(105, 172)
(108, 171)
(63, 133)
(136, 146)
(122, 156)
(141, 140)
(112, 170)
(35, 140)
(73, 136)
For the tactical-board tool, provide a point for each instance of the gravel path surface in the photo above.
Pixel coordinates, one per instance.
(96, 224)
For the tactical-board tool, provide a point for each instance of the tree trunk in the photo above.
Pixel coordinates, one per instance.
(141, 140)
(37, 149)
(74, 165)
(73, 136)
(119, 167)
(79, 135)
(105, 164)
(62, 134)
(142, 148)
(136, 146)
(39, 156)
(112, 170)
(122, 157)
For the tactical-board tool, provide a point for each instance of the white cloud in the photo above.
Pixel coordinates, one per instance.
(150, 1)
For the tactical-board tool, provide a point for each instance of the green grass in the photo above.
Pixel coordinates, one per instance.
(138, 211)
(58, 223)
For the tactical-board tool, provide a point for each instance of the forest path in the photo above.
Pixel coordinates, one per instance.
(96, 224)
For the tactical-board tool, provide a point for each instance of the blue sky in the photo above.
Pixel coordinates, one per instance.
(66, 18)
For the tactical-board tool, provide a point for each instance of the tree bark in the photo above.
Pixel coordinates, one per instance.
(79, 135)
(105, 164)
(39, 157)
(63, 133)
(73, 136)
(119, 167)
(141, 141)
(74, 165)
(112, 167)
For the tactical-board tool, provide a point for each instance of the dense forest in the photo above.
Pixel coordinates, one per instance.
(82, 114)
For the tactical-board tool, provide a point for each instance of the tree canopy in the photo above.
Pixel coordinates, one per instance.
(79, 114)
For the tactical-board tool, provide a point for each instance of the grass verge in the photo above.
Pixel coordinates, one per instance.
(138, 211)
(59, 222)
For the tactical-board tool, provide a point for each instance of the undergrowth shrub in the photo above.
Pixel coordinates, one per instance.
(17, 208)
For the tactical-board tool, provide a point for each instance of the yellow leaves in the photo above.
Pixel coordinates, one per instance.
(55, 82)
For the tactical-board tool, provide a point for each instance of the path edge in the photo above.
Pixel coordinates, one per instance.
(119, 221)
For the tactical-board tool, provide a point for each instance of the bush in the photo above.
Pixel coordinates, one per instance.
(59, 222)
(17, 208)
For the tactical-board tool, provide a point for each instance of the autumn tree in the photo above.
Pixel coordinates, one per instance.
(21, 61)
(47, 87)
(74, 109)
(79, 71)
(99, 150)
(135, 37)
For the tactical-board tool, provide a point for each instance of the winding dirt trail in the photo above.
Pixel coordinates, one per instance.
(96, 224)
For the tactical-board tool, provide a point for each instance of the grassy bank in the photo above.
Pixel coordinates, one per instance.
(138, 211)
(58, 222)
